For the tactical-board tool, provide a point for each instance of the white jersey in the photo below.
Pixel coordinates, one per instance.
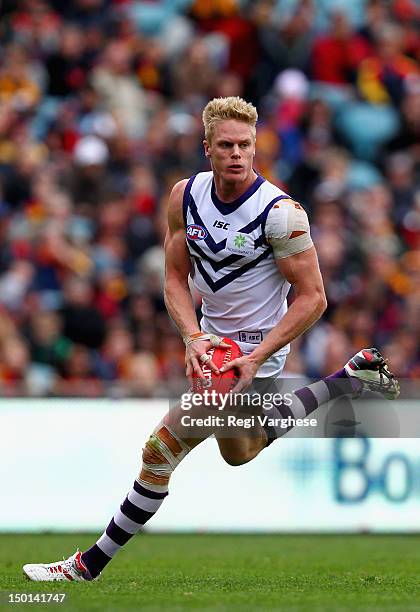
(234, 270)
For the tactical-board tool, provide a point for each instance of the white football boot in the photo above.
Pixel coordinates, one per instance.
(370, 368)
(68, 570)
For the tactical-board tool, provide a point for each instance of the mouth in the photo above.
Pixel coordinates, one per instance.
(235, 167)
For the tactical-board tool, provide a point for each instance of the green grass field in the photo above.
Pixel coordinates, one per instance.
(228, 572)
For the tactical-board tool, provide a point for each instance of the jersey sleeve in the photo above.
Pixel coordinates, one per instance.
(287, 229)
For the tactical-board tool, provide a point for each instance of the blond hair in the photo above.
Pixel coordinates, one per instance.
(232, 107)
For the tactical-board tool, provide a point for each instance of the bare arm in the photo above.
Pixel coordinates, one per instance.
(177, 293)
(302, 272)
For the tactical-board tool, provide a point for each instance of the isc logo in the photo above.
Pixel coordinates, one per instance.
(196, 232)
(221, 225)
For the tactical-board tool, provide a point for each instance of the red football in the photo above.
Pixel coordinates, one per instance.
(225, 381)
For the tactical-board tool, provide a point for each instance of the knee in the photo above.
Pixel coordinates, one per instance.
(162, 453)
(155, 469)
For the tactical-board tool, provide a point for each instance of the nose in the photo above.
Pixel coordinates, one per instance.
(236, 152)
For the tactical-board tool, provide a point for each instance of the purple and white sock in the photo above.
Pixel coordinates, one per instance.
(307, 399)
(141, 503)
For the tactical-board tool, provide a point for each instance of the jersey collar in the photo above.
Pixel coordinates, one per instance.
(225, 208)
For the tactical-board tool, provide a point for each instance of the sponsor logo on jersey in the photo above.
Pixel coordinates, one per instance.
(221, 224)
(239, 241)
(252, 337)
(196, 232)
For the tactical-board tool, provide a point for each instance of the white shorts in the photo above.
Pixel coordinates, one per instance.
(273, 367)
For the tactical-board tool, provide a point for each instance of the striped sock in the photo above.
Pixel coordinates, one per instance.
(138, 507)
(307, 399)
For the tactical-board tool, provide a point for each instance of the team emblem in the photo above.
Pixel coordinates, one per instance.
(196, 232)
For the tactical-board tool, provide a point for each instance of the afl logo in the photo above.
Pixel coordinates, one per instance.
(196, 232)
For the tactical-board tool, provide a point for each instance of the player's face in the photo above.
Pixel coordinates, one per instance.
(231, 150)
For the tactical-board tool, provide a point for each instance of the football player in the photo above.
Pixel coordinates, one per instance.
(244, 242)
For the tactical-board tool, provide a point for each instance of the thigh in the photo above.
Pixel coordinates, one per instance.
(186, 423)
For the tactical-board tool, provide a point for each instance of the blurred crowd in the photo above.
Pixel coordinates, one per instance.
(100, 113)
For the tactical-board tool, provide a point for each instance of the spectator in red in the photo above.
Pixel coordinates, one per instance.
(337, 54)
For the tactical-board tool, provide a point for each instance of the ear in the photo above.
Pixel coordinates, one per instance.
(206, 148)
